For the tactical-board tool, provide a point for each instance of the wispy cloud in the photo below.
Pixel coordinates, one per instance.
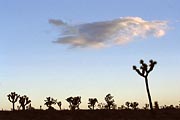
(56, 22)
(108, 33)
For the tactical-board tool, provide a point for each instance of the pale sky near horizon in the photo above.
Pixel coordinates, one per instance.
(63, 48)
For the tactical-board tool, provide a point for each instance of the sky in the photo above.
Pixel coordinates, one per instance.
(63, 48)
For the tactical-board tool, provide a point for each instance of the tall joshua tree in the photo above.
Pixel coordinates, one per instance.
(23, 101)
(144, 72)
(13, 97)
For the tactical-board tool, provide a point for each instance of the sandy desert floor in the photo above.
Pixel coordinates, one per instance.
(90, 115)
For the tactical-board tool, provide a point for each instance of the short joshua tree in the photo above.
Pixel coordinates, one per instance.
(156, 105)
(122, 107)
(144, 72)
(134, 105)
(23, 101)
(101, 105)
(92, 103)
(13, 97)
(74, 102)
(49, 102)
(146, 106)
(110, 101)
(59, 104)
(29, 107)
(127, 104)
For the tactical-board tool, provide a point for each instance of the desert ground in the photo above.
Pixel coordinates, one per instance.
(91, 115)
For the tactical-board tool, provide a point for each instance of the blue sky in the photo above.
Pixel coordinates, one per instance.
(32, 64)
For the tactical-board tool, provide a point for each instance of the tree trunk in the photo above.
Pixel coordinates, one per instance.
(23, 107)
(148, 92)
(13, 106)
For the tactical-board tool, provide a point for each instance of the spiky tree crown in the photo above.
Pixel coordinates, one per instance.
(92, 101)
(24, 100)
(109, 99)
(145, 69)
(13, 97)
(50, 101)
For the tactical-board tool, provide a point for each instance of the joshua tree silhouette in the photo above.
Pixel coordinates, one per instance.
(59, 104)
(74, 102)
(127, 104)
(146, 106)
(13, 97)
(49, 102)
(101, 105)
(109, 100)
(134, 105)
(156, 105)
(24, 100)
(144, 72)
(92, 102)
